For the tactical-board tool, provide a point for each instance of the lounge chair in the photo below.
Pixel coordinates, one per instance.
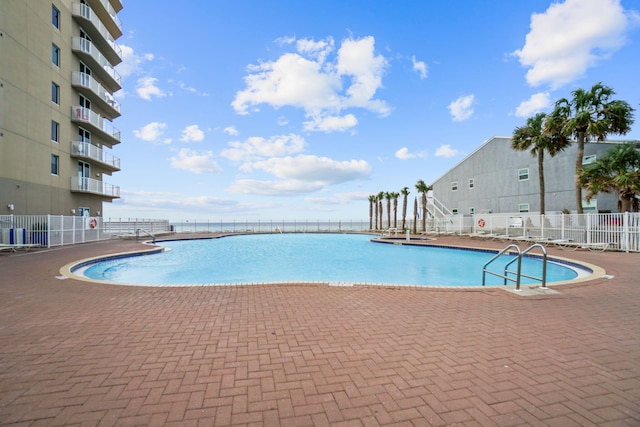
(15, 247)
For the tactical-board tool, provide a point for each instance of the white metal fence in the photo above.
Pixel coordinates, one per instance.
(58, 230)
(622, 230)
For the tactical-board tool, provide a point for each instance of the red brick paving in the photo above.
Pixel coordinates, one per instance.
(76, 354)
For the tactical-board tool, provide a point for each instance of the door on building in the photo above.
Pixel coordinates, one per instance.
(84, 172)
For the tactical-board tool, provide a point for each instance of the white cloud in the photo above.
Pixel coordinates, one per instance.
(230, 130)
(257, 147)
(570, 37)
(462, 108)
(195, 161)
(404, 154)
(192, 133)
(147, 88)
(307, 80)
(330, 123)
(131, 62)
(420, 67)
(151, 131)
(537, 103)
(314, 169)
(339, 199)
(445, 150)
(274, 188)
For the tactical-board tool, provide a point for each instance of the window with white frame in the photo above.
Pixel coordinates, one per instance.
(454, 211)
(55, 17)
(55, 131)
(472, 210)
(523, 174)
(55, 93)
(454, 186)
(471, 183)
(55, 164)
(55, 55)
(523, 207)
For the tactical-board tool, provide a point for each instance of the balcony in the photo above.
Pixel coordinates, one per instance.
(98, 32)
(95, 123)
(96, 93)
(93, 186)
(108, 16)
(84, 150)
(100, 66)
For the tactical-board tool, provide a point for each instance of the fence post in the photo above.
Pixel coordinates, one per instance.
(625, 231)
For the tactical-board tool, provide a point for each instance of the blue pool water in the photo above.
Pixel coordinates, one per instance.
(344, 258)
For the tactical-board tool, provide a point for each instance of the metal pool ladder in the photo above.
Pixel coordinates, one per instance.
(518, 259)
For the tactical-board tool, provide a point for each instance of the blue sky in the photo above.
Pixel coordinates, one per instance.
(300, 110)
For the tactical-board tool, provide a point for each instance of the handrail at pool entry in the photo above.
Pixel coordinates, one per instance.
(542, 279)
(518, 272)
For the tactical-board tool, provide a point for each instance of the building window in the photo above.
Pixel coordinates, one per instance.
(55, 131)
(454, 211)
(472, 210)
(471, 183)
(55, 93)
(523, 174)
(55, 164)
(55, 16)
(523, 207)
(587, 160)
(454, 186)
(55, 55)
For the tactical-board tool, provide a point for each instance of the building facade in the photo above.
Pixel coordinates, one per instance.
(495, 178)
(57, 80)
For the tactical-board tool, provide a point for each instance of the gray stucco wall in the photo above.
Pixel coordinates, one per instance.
(494, 169)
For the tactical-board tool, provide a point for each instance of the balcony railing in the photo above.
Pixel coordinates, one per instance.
(96, 122)
(108, 16)
(100, 64)
(93, 186)
(98, 32)
(98, 94)
(90, 151)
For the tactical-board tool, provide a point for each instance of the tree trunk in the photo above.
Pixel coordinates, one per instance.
(579, 156)
(415, 215)
(404, 213)
(541, 178)
(424, 211)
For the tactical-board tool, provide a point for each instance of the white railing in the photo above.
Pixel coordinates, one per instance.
(85, 149)
(90, 185)
(621, 230)
(268, 226)
(58, 230)
(85, 80)
(84, 45)
(85, 11)
(86, 115)
(112, 13)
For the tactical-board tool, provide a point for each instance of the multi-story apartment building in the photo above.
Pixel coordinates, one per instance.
(495, 178)
(57, 81)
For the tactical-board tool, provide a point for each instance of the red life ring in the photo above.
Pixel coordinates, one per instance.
(93, 223)
(481, 222)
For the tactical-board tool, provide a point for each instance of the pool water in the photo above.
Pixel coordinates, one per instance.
(294, 258)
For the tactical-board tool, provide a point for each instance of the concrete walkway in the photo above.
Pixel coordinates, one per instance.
(75, 354)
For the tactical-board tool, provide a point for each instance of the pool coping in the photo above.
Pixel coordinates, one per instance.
(68, 271)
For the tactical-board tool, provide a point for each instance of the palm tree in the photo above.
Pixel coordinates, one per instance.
(405, 193)
(618, 170)
(394, 197)
(380, 199)
(423, 189)
(415, 215)
(589, 115)
(532, 137)
(372, 200)
(387, 196)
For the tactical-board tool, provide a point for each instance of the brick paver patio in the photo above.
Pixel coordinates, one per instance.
(74, 353)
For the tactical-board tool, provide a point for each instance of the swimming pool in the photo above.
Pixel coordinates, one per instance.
(304, 258)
